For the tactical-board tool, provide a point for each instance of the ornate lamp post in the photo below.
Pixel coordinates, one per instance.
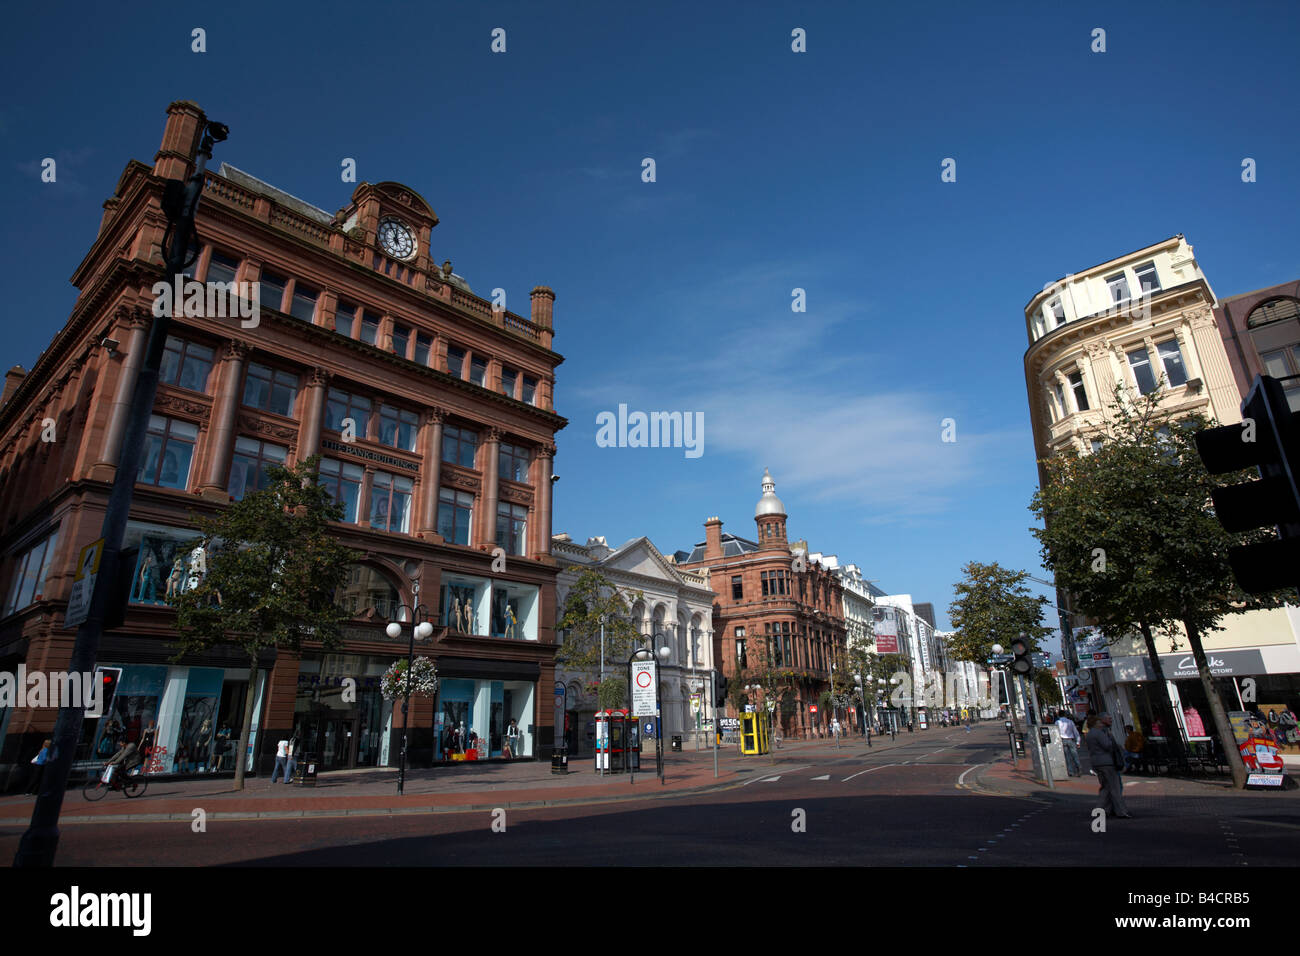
(423, 629)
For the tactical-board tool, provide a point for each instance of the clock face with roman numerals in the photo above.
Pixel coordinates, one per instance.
(396, 238)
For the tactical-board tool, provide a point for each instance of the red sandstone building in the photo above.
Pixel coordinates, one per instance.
(1261, 334)
(448, 453)
(772, 625)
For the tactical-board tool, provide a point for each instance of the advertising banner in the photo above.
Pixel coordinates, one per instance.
(887, 636)
(1255, 741)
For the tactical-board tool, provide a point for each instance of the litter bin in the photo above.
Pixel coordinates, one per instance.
(560, 760)
(677, 743)
(305, 772)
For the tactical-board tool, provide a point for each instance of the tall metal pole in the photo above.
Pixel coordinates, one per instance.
(41, 839)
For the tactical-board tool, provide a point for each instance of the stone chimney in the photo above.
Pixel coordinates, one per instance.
(543, 306)
(713, 538)
(13, 378)
(185, 122)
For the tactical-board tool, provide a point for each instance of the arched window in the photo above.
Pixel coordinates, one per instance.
(367, 587)
(1274, 310)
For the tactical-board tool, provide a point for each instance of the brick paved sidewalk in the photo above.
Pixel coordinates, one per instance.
(1004, 779)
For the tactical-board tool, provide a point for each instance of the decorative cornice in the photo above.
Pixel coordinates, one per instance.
(518, 496)
(546, 450)
(493, 434)
(237, 350)
(457, 480)
(320, 377)
(185, 406)
(259, 426)
(435, 415)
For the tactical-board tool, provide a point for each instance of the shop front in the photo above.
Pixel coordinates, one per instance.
(477, 702)
(340, 716)
(184, 720)
(1262, 681)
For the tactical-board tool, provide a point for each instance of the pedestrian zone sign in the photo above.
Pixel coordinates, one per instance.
(83, 584)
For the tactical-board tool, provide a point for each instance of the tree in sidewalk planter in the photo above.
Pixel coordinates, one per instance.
(591, 599)
(272, 568)
(994, 606)
(1130, 533)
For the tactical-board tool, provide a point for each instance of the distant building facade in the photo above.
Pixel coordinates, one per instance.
(675, 603)
(774, 627)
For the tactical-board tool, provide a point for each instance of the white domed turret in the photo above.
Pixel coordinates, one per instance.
(769, 504)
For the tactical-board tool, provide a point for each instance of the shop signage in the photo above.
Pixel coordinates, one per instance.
(643, 689)
(355, 452)
(1264, 780)
(83, 585)
(1092, 649)
(1183, 666)
(729, 723)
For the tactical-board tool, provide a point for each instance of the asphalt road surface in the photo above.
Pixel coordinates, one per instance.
(910, 805)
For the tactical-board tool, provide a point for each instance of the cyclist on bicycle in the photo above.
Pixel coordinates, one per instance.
(126, 759)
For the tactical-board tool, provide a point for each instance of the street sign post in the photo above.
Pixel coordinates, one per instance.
(83, 585)
(643, 688)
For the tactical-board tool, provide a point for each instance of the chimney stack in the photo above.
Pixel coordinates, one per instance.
(13, 378)
(185, 122)
(543, 306)
(713, 538)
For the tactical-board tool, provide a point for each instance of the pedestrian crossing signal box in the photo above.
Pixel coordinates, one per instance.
(618, 742)
(755, 730)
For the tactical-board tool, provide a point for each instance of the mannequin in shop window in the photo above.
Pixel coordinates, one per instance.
(455, 614)
(510, 622)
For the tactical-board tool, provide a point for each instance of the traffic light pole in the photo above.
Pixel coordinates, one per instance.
(41, 839)
(1044, 755)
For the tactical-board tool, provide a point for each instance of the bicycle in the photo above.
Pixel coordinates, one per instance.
(134, 785)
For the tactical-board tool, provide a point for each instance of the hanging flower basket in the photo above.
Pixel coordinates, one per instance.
(424, 679)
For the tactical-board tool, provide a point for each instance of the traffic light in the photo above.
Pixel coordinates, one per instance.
(719, 687)
(1265, 438)
(108, 678)
(1021, 662)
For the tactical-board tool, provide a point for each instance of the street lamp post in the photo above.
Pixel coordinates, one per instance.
(422, 629)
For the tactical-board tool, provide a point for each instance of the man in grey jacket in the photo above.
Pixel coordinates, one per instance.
(1107, 758)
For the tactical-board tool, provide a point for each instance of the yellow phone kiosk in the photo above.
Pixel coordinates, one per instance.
(754, 734)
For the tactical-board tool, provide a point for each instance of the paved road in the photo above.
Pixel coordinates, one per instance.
(914, 804)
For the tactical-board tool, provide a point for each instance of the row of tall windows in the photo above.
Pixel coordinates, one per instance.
(363, 324)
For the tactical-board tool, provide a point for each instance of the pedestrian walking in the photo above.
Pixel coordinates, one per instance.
(291, 764)
(281, 759)
(1070, 744)
(1107, 758)
(38, 767)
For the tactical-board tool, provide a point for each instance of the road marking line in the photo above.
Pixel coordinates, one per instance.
(771, 779)
(868, 770)
(961, 781)
(823, 777)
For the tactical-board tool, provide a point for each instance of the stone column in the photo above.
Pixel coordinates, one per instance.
(221, 429)
(137, 323)
(488, 520)
(431, 477)
(541, 523)
(313, 414)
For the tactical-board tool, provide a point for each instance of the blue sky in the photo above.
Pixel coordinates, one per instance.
(775, 171)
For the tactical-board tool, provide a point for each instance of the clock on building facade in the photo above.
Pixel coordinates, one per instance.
(396, 238)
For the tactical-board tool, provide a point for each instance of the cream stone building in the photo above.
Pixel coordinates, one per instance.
(1141, 321)
(674, 603)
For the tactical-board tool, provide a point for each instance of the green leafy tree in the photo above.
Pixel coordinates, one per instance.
(272, 568)
(1130, 532)
(993, 606)
(1049, 692)
(594, 600)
